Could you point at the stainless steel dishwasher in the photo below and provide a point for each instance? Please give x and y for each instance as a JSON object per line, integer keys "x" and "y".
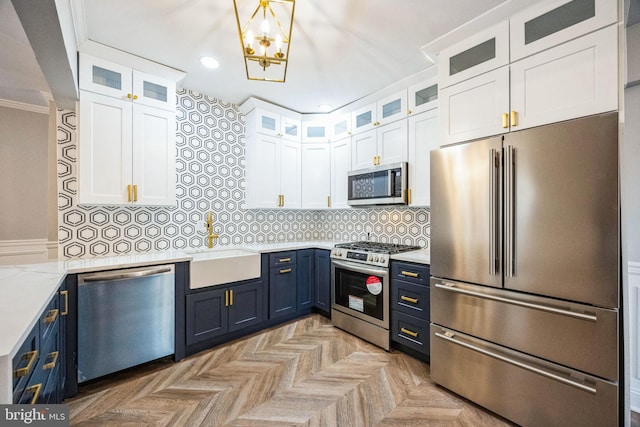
{"x": 125, "y": 318}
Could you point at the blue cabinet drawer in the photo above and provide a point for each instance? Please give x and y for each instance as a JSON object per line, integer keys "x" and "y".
{"x": 410, "y": 331}
{"x": 49, "y": 317}
{"x": 280, "y": 259}
{"x": 410, "y": 298}
{"x": 25, "y": 362}
{"x": 415, "y": 273}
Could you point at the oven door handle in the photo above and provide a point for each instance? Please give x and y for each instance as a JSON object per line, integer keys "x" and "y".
{"x": 361, "y": 269}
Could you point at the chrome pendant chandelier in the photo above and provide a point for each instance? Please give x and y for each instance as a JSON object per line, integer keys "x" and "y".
{"x": 265, "y": 37}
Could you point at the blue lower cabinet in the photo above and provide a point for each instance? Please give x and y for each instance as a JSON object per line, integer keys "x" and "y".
{"x": 224, "y": 309}
{"x": 283, "y": 283}
{"x": 306, "y": 278}
{"x": 322, "y": 291}
{"x": 410, "y": 304}
{"x": 37, "y": 365}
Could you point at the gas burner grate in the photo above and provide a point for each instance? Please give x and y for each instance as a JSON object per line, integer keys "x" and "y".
{"x": 384, "y": 248}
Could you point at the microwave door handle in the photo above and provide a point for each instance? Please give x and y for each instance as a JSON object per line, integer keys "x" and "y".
{"x": 390, "y": 183}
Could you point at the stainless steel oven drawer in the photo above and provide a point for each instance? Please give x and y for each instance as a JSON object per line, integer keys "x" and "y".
{"x": 576, "y": 335}
{"x": 524, "y": 389}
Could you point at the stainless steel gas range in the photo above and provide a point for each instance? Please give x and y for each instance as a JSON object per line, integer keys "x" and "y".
{"x": 360, "y": 288}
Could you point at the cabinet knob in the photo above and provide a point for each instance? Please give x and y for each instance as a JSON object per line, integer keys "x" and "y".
{"x": 129, "y": 95}
{"x": 409, "y": 112}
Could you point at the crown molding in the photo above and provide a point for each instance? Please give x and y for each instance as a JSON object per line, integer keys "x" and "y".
{"x": 79, "y": 21}
{"x": 40, "y": 109}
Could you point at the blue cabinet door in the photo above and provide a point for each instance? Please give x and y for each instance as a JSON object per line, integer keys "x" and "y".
{"x": 245, "y": 305}
{"x": 282, "y": 291}
{"x": 306, "y": 278}
{"x": 322, "y": 291}
{"x": 206, "y": 315}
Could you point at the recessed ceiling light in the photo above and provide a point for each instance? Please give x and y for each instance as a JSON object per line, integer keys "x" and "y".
{"x": 209, "y": 62}
{"x": 324, "y": 108}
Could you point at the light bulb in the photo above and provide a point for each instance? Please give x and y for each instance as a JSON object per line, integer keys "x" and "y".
{"x": 248, "y": 38}
{"x": 263, "y": 49}
{"x": 279, "y": 41}
{"x": 265, "y": 27}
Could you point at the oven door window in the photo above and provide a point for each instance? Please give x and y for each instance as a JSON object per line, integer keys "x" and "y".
{"x": 360, "y": 292}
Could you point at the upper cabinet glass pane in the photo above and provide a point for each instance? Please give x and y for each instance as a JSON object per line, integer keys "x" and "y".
{"x": 315, "y": 132}
{"x": 154, "y": 91}
{"x": 391, "y": 108}
{"x": 341, "y": 128}
{"x": 427, "y": 94}
{"x": 291, "y": 129}
{"x": 558, "y": 19}
{"x": 364, "y": 119}
{"x": 472, "y": 57}
{"x": 104, "y": 77}
{"x": 268, "y": 123}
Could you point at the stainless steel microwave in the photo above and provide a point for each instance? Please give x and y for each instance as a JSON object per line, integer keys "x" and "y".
{"x": 381, "y": 185}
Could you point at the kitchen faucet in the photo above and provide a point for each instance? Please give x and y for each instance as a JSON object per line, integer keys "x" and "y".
{"x": 211, "y": 236}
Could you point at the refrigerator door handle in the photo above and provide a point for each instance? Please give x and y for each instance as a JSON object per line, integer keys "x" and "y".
{"x": 452, "y": 288}
{"x": 449, "y": 336}
{"x": 493, "y": 212}
{"x": 509, "y": 214}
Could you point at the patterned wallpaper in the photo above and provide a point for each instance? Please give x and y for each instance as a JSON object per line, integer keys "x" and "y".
{"x": 210, "y": 166}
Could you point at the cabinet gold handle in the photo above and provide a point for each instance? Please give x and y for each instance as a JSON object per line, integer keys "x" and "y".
{"x": 514, "y": 118}
{"x": 231, "y": 297}
{"x": 35, "y": 389}
{"x": 505, "y": 120}
{"x": 32, "y": 356}
{"x": 286, "y": 270}
{"x": 135, "y": 193}
{"x": 226, "y": 298}
{"x": 409, "y": 274}
{"x": 51, "y": 316}
{"x": 284, "y": 260}
{"x": 135, "y": 97}
{"x": 409, "y": 196}
{"x": 129, "y": 95}
{"x": 409, "y": 112}
{"x": 409, "y": 332}
{"x": 52, "y": 364}
{"x": 409, "y": 299}
{"x": 129, "y": 192}
{"x": 283, "y": 200}
{"x": 66, "y": 302}
{"x": 328, "y": 201}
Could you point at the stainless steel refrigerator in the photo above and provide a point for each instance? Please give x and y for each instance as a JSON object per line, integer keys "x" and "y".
{"x": 525, "y": 264}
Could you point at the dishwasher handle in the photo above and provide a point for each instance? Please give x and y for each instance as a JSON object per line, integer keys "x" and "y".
{"x": 119, "y": 275}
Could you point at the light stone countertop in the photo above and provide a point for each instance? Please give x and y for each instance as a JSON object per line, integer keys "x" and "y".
{"x": 25, "y": 290}
{"x": 422, "y": 256}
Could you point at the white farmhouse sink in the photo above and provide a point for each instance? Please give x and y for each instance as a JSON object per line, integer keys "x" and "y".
{"x": 211, "y": 267}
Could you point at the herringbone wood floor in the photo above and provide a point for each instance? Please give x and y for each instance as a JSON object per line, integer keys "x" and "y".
{"x": 304, "y": 373}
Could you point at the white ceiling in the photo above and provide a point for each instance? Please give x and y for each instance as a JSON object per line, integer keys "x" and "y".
{"x": 341, "y": 50}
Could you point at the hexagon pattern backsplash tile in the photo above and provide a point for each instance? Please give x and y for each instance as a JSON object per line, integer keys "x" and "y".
{"x": 210, "y": 166}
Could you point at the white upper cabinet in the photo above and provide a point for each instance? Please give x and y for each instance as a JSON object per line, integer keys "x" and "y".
{"x": 117, "y": 81}
{"x": 549, "y": 23}
{"x": 127, "y": 131}
{"x": 422, "y": 96}
{"x": 475, "y": 108}
{"x": 290, "y": 128}
{"x": 564, "y": 65}
{"x": 475, "y": 55}
{"x": 575, "y": 79}
{"x": 272, "y": 172}
{"x": 340, "y": 126}
{"x": 391, "y": 108}
{"x": 363, "y": 119}
{"x": 271, "y": 123}
{"x": 384, "y": 145}
{"x": 316, "y": 176}
{"x": 423, "y": 137}
{"x": 315, "y": 131}
{"x": 340, "y": 167}
{"x": 383, "y": 111}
